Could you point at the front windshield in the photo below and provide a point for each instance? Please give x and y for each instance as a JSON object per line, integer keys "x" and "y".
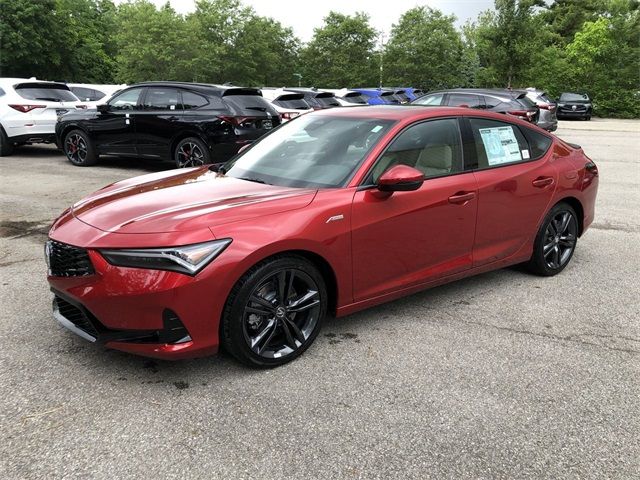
{"x": 310, "y": 152}
{"x": 574, "y": 97}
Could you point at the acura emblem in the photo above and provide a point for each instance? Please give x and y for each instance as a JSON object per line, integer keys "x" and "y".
{"x": 573, "y": 107}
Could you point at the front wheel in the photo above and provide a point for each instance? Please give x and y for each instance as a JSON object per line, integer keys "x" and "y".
{"x": 191, "y": 152}
{"x": 274, "y": 312}
{"x": 79, "y": 149}
{"x": 555, "y": 242}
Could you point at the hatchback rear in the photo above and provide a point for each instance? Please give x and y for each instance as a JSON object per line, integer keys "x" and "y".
{"x": 29, "y": 110}
{"x": 547, "y": 119}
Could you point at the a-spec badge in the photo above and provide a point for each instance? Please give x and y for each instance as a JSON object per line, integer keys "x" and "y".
{"x": 335, "y": 218}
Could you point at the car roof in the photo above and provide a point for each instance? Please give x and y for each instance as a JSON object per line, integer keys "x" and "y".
{"x": 202, "y": 87}
{"x": 7, "y": 81}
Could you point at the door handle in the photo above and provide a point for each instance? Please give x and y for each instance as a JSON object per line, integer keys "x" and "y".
{"x": 461, "y": 198}
{"x": 541, "y": 182}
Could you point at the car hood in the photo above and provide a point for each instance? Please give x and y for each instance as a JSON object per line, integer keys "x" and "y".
{"x": 184, "y": 200}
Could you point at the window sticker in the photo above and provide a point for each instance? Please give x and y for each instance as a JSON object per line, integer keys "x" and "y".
{"x": 501, "y": 145}
{"x": 376, "y": 129}
{"x": 525, "y": 154}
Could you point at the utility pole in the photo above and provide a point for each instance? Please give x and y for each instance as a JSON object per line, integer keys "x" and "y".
{"x": 381, "y": 57}
{"x": 299, "y": 76}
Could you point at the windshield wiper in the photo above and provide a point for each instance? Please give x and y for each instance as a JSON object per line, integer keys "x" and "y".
{"x": 253, "y": 179}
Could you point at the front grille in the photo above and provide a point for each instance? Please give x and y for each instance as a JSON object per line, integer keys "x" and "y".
{"x": 68, "y": 261}
{"x": 75, "y": 316}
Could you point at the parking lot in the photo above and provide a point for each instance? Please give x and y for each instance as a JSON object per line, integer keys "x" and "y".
{"x": 504, "y": 375}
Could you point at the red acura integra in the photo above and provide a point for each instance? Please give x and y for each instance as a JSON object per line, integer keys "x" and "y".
{"x": 330, "y": 213}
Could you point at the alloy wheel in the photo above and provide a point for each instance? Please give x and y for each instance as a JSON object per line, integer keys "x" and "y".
{"x": 190, "y": 155}
{"x": 560, "y": 239}
{"x": 281, "y": 313}
{"x": 75, "y": 147}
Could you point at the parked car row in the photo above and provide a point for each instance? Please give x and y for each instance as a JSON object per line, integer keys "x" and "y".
{"x": 194, "y": 124}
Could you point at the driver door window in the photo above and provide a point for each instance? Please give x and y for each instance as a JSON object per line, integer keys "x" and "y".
{"x": 433, "y": 147}
{"x": 126, "y": 101}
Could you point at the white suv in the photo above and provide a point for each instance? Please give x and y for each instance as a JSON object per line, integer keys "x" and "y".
{"x": 29, "y": 110}
{"x": 93, "y": 95}
{"x": 348, "y": 98}
{"x": 288, "y": 104}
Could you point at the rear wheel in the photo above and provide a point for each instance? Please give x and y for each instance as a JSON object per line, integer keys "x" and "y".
{"x": 79, "y": 149}
{"x": 6, "y": 147}
{"x": 274, "y": 312}
{"x": 555, "y": 242}
{"x": 191, "y": 152}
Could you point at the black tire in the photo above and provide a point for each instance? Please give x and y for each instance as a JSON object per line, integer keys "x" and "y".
{"x": 268, "y": 332}
{"x": 588, "y": 117}
{"x": 6, "y": 147}
{"x": 191, "y": 152}
{"x": 79, "y": 149}
{"x": 555, "y": 241}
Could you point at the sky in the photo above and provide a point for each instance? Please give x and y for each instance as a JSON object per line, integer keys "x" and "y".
{"x": 303, "y": 16}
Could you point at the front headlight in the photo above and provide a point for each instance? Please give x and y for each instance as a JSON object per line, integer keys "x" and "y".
{"x": 189, "y": 259}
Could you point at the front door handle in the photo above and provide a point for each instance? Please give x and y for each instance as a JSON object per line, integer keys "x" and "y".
{"x": 461, "y": 198}
{"x": 541, "y": 182}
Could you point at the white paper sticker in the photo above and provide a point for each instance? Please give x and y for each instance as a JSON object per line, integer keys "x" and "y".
{"x": 172, "y": 107}
{"x": 376, "y": 129}
{"x": 501, "y": 145}
{"x": 525, "y": 154}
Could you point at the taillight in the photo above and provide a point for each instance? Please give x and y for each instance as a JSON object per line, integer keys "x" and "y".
{"x": 238, "y": 121}
{"x": 547, "y": 106}
{"x": 288, "y": 116}
{"x": 524, "y": 114}
{"x": 26, "y": 108}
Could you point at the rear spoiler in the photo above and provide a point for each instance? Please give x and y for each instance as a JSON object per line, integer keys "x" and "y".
{"x": 241, "y": 91}
{"x": 352, "y": 94}
{"x": 57, "y": 86}
{"x": 386, "y": 94}
{"x": 324, "y": 95}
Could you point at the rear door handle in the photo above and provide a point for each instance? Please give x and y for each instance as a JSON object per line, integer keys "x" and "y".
{"x": 461, "y": 198}
{"x": 541, "y": 182}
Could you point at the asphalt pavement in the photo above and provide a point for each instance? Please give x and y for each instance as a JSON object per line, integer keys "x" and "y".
{"x": 503, "y": 375}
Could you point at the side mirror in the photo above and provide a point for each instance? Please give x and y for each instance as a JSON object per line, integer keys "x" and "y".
{"x": 104, "y": 108}
{"x": 400, "y": 178}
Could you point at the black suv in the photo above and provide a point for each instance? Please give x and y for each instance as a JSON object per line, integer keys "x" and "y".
{"x": 189, "y": 123}
{"x": 574, "y": 105}
{"x": 511, "y": 102}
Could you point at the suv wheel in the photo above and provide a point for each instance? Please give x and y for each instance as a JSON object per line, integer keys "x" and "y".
{"x": 191, "y": 152}
{"x": 79, "y": 149}
{"x": 6, "y": 147}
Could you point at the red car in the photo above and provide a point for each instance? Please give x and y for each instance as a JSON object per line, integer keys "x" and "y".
{"x": 330, "y": 213}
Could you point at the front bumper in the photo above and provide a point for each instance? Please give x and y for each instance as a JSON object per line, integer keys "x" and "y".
{"x": 153, "y": 313}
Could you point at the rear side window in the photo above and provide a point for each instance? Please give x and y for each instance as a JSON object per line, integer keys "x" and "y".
{"x": 461, "y": 99}
{"x": 431, "y": 100}
{"x": 161, "y": 98}
{"x": 192, "y": 100}
{"x": 526, "y": 102}
{"x": 127, "y": 100}
{"x": 538, "y": 143}
{"x": 497, "y": 143}
{"x": 44, "y": 92}
{"x": 1, "y": 92}
{"x": 84, "y": 94}
{"x": 328, "y": 101}
{"x": 355, "y": 98}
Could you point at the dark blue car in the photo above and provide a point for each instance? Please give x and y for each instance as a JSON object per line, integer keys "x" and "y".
{"x": 378, "y": 96}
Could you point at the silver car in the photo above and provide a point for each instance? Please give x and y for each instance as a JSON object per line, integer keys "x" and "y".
{"x": 548, "y": 109}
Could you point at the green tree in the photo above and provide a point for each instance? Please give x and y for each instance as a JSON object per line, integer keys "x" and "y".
{"x": 29, "y": 39}
{"x": 425, "y": 50}
{"x": 341, "y": 52}
{"x": 153, "y": 44}
{"x": 565, "y": 17}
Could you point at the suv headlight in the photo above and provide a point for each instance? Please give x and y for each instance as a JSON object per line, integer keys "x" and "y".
{"x": 188, "y": 259}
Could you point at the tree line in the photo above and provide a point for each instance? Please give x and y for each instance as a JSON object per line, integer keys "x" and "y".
{"x": 587, "y": 46}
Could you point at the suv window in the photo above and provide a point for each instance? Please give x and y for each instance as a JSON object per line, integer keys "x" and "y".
{"x": 463, "y": 99}
{"x": 192, "y": 100}
{"x": 84, "y": 94}
{"x": 430, "y": 100}
{"x": 294, "y": 102}
{"x": 161, "y": 98}
{"x": 45, "y": 92}
{"x": 498, "y": 143}
{"x": 127, "y": 100}
{"x": 433, "y": 147}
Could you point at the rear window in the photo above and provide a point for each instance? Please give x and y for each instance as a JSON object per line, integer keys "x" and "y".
{"x": 45, "y": 92}
{"x": 248, "y": 104}
{"x": 574, "y": 97}
{"x": 328, "y": 101}
{"x": 356, "y": 98}
{"x": 526, "y": 102}
{"x": 293, "y": 102}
